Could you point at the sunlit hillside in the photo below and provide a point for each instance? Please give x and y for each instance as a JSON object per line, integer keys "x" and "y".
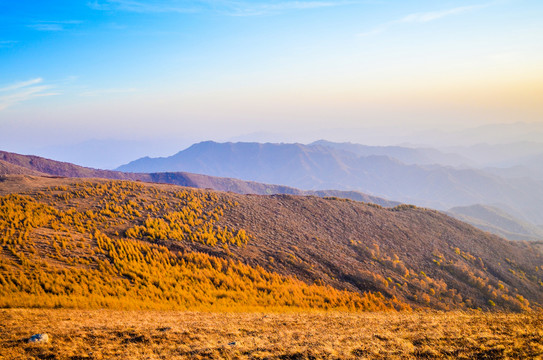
{"x": 101, "y": 244}
{"x": 130, "y": 245}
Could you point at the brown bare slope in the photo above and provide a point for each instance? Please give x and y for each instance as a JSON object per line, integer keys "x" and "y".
{"x": 58, "y": 168}
{"x": 7, "y": 168}
{"x": 403, "y": 252}
{"x": 36, "y": 165}
{"x": 420, "y": 257}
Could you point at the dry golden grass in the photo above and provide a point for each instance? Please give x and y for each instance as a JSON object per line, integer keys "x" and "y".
{"x": 111, "y": 334}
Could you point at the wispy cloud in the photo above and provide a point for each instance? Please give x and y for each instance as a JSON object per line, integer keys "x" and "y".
{"x": 23, "y": 91}
{"x": 21, "y": 84}
{"x": 53, "y": 25}
{"x": 7, "y": 43}
{"x": 252, "y": 9}
{"x": 142, "y": 6}
{"x": 47, "y": 27}
{"x": 227, "y": 7}
{"x": 108, "y": 91}
{"x": 424, "y": 17}
{"x": 435, "y": 15}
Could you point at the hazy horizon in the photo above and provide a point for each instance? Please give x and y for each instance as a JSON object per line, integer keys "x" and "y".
{"x": 110, "y": 153}
{"x": 172, "y": 73}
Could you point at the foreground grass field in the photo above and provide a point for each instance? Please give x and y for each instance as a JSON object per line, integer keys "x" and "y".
{"x": 109, "y": 334}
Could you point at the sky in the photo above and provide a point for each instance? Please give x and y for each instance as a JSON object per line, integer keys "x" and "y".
{"x": 157, "y": 75}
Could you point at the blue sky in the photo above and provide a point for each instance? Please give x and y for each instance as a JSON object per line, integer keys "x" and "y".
{"x": 73, "y": 71}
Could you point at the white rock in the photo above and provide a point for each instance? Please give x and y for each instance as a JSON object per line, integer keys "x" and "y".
{"x": 39, "y": 338}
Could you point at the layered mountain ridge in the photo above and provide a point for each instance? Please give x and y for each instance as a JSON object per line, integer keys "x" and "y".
{"x": 11, "y": 163}
{"x": 338, "y": 166}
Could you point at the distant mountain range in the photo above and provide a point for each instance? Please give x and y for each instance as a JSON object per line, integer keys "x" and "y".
{"x": 407, "y": 155}
{"x": 500, "y": 155}
{"x": 373, "y": 170}
{"x": 16, "y": 164}
{"x": 504, "y": 221}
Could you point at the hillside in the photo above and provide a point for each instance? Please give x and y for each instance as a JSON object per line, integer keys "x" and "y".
{"x": 7, "y": 168}
{"x": 57, "y": 168}
{"x": 11, "y": 163}
{"x": 314, "y": 167}
{"x": 497, "y": 221}
{"x": 99, "y": 243}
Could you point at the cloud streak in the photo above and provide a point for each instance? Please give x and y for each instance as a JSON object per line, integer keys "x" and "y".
{"x": 435, "y": 15}
{"x": 141, "y": 6}
{"x": 7, "y": 43}
{"x": 423, "y": 17}
{"x": 53, "y": 25}
{"x": 108, "y": 91}
{"x": 24, "y": 91}
{"x": 246, "y": 9}
{"x": 226, "y": 7}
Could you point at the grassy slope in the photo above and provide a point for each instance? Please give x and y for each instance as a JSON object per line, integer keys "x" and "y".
{"x": 130, "y": 241}
{"x": 103, "y": 244}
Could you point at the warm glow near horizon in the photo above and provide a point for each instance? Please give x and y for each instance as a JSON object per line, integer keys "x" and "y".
{"x": 152, "y": 69}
